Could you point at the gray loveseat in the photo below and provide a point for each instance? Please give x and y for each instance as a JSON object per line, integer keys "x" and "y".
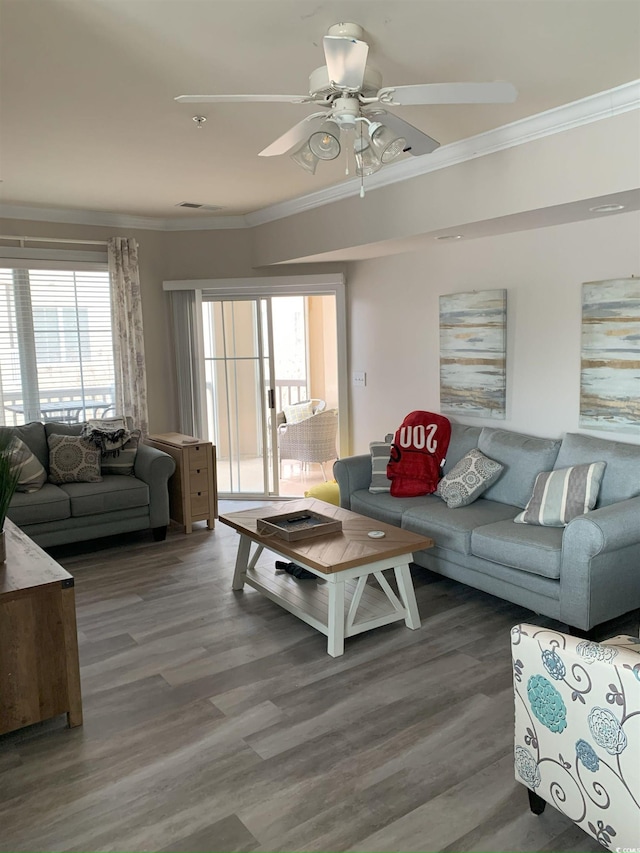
{"x": 73, "y": 512}
{"x": 581, "y": 575}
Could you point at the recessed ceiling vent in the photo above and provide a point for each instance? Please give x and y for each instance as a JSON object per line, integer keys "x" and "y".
{"x": 192, "y": 205}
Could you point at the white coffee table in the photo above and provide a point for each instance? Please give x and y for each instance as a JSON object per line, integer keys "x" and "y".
{"x": 345, "y": 604}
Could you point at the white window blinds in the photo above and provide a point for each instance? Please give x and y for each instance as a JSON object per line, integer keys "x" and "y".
{"x": 56, "y": 350}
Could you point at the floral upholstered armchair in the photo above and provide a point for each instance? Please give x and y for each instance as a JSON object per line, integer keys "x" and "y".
{"x": 577, "y": 729}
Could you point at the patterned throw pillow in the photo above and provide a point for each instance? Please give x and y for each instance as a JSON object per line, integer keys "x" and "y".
{"x": 298, "y": 412}
{"x": 73, "y": 460}
{"x": 558, "y": 496}
{"x": 380, "y": 451}
{"x": 32, "y": 475}
{"x": 125, "y": 458}
{"x": 467, "y": 480}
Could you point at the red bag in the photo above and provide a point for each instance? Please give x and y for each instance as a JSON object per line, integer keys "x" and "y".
{"x": 417, "y": 454}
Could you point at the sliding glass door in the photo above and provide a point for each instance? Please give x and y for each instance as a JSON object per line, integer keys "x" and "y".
{"x": 260, "y": 356}
{"x": 245, "y": 350}
{"x": 238, "y": 370}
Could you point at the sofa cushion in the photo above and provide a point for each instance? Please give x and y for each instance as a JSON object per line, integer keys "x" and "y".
{"x": 31, "y": 474}
{"x": 55, "y": 428}
{"x": 467, "y": 480}
{"x": 452, "y": 528}
{"x": 558, "y": 496}
{"x": 33, "y": 435}
{"x": 383, "y": 507}
{"x": 621, "y": 479}
{"x": 73, "y": 460}
{"x": 523, "y": 457}
{"x": 533, "y": 549}
{"x": 463, "y": 439}
{"x": 112, "y": 493}
{"x": 380, "y": 453}
{"x": 49, "y": 503}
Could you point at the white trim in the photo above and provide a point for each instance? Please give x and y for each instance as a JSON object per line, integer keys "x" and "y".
{"x": 52, "y": 259}
{"x": 270, "y": 285}
{"x": 593, "y": 108}
{"x": 53, "y": 255}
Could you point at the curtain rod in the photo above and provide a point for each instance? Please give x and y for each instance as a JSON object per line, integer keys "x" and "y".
{"x": 23, "y": 240}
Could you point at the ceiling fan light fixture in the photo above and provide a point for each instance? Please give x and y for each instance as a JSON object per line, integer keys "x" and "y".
{"x": 325, "y": 141}
{"x": 385, "y": 143}
{"x": 305, "y": 158}
{"x": 367, "y": 161}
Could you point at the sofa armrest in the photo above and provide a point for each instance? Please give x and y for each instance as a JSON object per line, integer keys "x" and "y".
{"x": 352, "y": 473}
{"x": 154, "y": 467}
{"x": 600, "y": 558}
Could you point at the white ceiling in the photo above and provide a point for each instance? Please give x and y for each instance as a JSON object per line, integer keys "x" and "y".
{"x": 88, "y": 121}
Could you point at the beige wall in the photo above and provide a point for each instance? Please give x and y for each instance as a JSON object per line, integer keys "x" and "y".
{"x": 323, "y": 349}
{"x": 393, "y": 325}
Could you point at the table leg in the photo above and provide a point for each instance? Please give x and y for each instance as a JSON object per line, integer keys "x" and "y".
{"x": 241, "y": 562}
{"x": 335, "y": 644}
{"x": 69, "y": 627}
{"x": 408, "y": 596}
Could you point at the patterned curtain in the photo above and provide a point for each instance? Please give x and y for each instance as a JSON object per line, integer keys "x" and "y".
{"x": 128, "y": 341}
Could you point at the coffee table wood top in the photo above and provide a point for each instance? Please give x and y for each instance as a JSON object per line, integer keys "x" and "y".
{"x": 333, "y": 552}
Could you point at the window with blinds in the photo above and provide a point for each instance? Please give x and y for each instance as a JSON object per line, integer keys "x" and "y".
{"x": 56, "y": 346}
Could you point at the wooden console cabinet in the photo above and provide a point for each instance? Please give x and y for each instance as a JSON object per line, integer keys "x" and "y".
{"x": 39, "y": 668}
{"x": 193, "y": 493}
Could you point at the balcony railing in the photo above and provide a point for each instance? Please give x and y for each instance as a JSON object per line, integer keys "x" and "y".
{"x": 65, "y": 405}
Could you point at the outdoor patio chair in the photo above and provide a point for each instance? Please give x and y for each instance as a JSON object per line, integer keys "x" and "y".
{"x": 310, "y": 440}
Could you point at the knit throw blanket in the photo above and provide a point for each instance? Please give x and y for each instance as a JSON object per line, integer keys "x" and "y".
{"x": 108, "y": 435}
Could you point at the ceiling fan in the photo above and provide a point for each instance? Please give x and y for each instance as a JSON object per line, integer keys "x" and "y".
{"x": 350, "y": 96}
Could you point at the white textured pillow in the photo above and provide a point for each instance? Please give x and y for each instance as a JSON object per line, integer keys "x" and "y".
{"x": 558, "y": 496}
{"x": 380, "y": 451}
{"x": 468, "y": 479}
{"x": 298, "y": 412}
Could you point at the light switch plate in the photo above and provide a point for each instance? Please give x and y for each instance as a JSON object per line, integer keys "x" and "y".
{"x": 359, "y": 378}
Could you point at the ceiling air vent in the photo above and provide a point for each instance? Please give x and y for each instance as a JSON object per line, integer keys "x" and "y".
{"x": 194, "y": 206}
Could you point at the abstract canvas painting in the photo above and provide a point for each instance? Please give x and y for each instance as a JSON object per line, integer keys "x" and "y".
{"x": 473, "y": 353}
{"x": 610, "y": 363}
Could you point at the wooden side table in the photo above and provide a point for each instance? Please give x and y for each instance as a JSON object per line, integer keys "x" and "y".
{"x": 39, "y": 668}
{"x": 193, "y": 492}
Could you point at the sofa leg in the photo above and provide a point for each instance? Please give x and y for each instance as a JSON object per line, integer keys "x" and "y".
{"x": 536, "y": 803}
{"x": 160, "y": 533}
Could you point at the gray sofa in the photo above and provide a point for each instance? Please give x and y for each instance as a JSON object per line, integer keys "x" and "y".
{"x": 73, "y": 512}
{"x": 581, "y": 575}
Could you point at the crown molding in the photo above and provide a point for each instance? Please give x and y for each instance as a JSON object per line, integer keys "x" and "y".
{"x": 119, "y": 220}
{"x": 557, "y": 120}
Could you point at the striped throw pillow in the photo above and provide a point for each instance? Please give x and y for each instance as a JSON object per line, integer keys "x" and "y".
{"x": 123, "y": 461}
{"x": 559, "y": 496}
{"x": 32, "y": 475}
{"x": 380, "y": 451}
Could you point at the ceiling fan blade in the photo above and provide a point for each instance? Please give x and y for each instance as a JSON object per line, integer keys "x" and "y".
{"x": 418, "y": 143}
{"x": 237, "y": 99}
{"x": 346, "y": 59}
{"x": 294, "y": 136}
{"x": 448, "y": 93}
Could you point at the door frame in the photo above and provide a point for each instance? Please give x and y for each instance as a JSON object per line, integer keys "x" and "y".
{"x": 255, "y": 287}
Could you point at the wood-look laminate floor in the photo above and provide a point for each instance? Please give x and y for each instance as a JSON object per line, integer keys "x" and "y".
{"x": 216, "y": 721}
